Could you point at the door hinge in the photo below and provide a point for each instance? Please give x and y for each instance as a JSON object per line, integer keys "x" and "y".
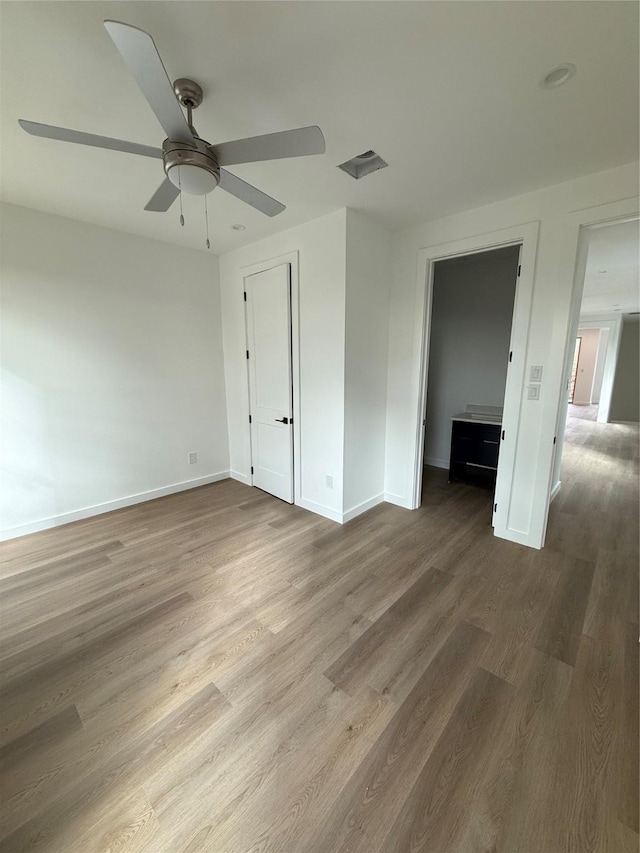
{"x": 503, "y": 435}
{"x": 249, "y": 418}
{"x": 495, "y": 507}
{"x": 519, "y": 268}
{"x": 252, "y": 469}
{"x": 245, "y": 295}
{"x": 510, "y": 356}
{"x": 247, "y": 353}
{"x": 554, "y": 439}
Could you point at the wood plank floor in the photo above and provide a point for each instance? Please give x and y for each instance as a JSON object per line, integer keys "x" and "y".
{"x": 218, "y": 671}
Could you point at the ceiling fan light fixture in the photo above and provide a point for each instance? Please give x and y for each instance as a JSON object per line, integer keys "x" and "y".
{"x": 190, "y": 167}
{"x": 191, "y": 179}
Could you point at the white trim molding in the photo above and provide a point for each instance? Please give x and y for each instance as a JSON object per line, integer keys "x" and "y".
{"x": 398, "y": 500}
{"x": 612, "y": 322}
{"x": 573, "y": 237}
{"x": 293, "y": 259}
{"x": 526, "y": 236}
{"x": 436, "y": 463}
{"x": 340, "y": 517}
{"x": 362, "y": 507}
{"x": 320, "y": 509}
{"x": 109, "y": 506}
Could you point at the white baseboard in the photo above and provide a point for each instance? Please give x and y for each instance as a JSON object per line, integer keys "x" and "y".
{"x": 555, "y": 491}
{"x": 358, "y": 509}
{"x": 109, "y": 506}
{"x": 398, "y": 500}
{"x": 437, "y": 463}
{"x": 320, "y": 509}
{"x": 241, "y": 478}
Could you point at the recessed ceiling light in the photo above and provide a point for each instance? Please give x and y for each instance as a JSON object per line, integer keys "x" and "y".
{"x": 558, "y": 75}
{"x": 239, "y": 227}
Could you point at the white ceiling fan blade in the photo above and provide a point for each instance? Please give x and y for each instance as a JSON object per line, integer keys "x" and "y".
{"x": 272, "y": 146}
{"x": 64, "y": 134}
{"x": 250, "y": 194}
{"x": 141, "y": 56}
{"x": 163, "y": 197}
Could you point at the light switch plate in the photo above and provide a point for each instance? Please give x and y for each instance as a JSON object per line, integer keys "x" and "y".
{"x": 533, "y": 392}
{"x": 536, "y": 373}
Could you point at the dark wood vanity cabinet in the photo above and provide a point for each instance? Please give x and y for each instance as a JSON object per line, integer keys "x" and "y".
{"x": 474, "y": 451}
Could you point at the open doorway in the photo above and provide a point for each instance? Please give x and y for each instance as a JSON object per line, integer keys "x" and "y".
{"x": 471, "y": 319}
{"x": 610, "y": 302}
{"x": 585, "y": 383}
{"x": 574, "y": 368}
{"x": 600, "y": 432}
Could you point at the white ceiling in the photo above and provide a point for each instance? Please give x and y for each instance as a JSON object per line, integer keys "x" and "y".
{"x": 446, "y": 92}
{"x": 612, "y": 277}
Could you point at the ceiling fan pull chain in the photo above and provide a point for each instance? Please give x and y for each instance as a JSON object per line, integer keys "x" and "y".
{"x": 206, "y": 219}
{"x": 180, "y": 196}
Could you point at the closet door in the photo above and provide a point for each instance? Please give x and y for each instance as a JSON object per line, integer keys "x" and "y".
{"x": 268, "y": 311}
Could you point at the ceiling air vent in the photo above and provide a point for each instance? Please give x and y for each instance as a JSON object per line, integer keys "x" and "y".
{"x": 363, "y": 164}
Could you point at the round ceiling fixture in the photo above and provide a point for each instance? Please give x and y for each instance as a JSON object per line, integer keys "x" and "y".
{"x": 239, "y": 227}
{"x": 558, "y": 75}
{"x": 190, "y": 166}
{"x": 192, "y": 179}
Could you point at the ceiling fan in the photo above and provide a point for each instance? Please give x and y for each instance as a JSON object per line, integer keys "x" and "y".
{"x": 191, "y": 164}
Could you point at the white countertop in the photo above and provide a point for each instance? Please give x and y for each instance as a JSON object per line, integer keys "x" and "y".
{"x": 476, "y": 414}
{"x": 478, "y": 419}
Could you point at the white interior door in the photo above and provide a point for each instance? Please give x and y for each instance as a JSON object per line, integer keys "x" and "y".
{"x": 506, "y": 460}
{"x": 268, "y": 307}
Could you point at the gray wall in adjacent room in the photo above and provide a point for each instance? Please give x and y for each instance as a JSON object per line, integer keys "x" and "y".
{"x": 469, "y": 348}
{"x": 625, "y": 400}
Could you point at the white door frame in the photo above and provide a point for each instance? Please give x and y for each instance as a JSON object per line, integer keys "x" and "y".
{"x": 574, "y": 235}
{"x": 525, "y": 235}
{"x": 614, "y": 325}
{"x": 292, "y": 259}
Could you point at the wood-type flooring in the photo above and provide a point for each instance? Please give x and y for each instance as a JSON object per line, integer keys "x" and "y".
{"x": 219, "y": 672}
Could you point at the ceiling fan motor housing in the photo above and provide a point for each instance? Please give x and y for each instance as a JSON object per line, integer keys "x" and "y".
{"x": 190, "y": 166}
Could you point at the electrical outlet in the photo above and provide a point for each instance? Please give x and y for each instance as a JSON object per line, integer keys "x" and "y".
{"x": 533, "y": 392}
{"x": 329, "y": 479}
{"x": 193, "y": 457}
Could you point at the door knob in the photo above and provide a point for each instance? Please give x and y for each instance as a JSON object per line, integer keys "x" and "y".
{"x": 282, "y": 420}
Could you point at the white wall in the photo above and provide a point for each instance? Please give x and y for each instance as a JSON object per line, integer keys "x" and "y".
{"x": 625, "y": 402}
{"x": 367, "y": 324}
{"x": 598, "y": 373}
{"x": 586, "y": 366}
{"x": 545, "y": 344}
{"x": 111, "y": 369}
{"x": 321, "y": 250}
{"x": 471, "y": 318}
